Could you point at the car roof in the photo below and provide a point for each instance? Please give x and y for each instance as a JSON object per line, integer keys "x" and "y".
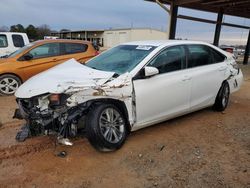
{"x": 61, "y": 40}
{"x": 11, "y": 33}
{"x": 164, "y": 42}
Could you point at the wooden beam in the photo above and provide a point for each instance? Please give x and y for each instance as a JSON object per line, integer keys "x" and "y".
{"x": 162, "y": 1}
{"x": 236, "y": 25}
{"x": 230, "y": 3}
{"x": 163, "y": 6}
{"x": 182, "y": 2}
{"x": 211, "y": 21}
{"x": 208, "y": 2}
{"x": 207, "y": 5}
{"x": 196, "y": 19}
{"x": 237, "y": 10}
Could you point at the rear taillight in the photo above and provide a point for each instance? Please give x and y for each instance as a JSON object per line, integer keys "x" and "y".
{"x": 229, "y": 50}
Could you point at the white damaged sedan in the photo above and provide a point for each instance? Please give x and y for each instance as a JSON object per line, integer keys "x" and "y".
{"x": 126, "y": 88}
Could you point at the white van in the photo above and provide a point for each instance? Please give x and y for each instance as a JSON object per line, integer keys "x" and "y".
{"x": 12, "y": 41}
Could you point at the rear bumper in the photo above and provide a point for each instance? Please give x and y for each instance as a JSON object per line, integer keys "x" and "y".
{"x": 235, "y": 82}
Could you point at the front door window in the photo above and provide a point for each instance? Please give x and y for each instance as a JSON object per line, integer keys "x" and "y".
{"x": 46, "y": 50}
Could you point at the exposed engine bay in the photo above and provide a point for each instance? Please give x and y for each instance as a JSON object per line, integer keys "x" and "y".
{"x": 49, "y": 114}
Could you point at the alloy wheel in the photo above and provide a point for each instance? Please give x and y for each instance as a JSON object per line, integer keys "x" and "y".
{"x": 225, "y": 96}
{"x": 112, "y": 125}
{"x": 8, "y": 86}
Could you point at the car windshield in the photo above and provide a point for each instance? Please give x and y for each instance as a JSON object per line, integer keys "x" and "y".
{"x": 120, "y": 59}
{"x": 21, "y": 50}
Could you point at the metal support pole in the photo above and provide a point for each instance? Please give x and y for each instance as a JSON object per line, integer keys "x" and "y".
{"x": 168, "y": 11}
{"x": 218, "y": 28}
{"x": 173, "y": 21}
{"x": 247, "y": 51}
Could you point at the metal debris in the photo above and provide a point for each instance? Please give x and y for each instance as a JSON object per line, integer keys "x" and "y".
{"x": 23, "y": 134}
{"x": 64, "y": 141}
{"x": 162, "y": 147}
{"x": 62, "y": 154}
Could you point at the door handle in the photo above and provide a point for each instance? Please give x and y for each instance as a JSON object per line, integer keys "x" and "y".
{"x": 54, "y": 59}
{"x": 186, "y": 78}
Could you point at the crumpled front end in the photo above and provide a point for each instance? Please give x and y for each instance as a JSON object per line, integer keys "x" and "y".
{"x": 48, "y": 114}
{"x": 63, "y": 113}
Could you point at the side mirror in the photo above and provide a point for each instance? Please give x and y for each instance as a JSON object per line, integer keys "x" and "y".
{"x": 28, "y": 57}
{"x": 150, "y": 71}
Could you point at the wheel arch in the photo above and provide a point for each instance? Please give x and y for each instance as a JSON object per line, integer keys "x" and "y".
{"x": 226, "y": 81}
{"x": 218, "y": 106}
{"x": 13, "y": 74}
{"x": 118, "y": 103}
{"x": 223, "y": 82}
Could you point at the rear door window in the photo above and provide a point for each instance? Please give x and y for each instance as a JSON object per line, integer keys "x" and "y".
{"x": 3, "y": 41}
{"x": 18, "y": 41}
{"x": 72, "y": 48}
{"x": 199, "y": 55}
{"x": 46, "y": 50}
{"x": 217, "y": 56}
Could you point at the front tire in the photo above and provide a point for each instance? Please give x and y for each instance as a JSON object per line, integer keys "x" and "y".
{"x": 222, "y": 98}
{"x": 9, "y": 84}
{"x": 106, "y": 127}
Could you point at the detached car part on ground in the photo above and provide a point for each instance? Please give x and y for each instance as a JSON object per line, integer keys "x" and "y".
{"x": 126, "y": 88}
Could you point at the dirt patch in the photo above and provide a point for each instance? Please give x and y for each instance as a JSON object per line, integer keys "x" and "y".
{"x": 7, "y": 105}
{"x": 202, "y": 149}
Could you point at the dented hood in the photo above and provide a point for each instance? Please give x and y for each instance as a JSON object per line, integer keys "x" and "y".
{"x": 69, "y": 75}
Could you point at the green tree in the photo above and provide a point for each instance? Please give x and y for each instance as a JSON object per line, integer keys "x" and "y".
{"x": 17, "y": 28}
{"x": 43, "y": 30}
{"x": 32, "y": 32}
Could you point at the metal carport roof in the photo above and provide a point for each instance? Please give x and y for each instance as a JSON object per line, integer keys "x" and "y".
{"x": 239, "y": 8}
{"x": 230, "y": 7}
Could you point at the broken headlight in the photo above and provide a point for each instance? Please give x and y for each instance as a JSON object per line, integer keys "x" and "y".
{"x": 57, "y": 100}
{"x": 54, "y": 99}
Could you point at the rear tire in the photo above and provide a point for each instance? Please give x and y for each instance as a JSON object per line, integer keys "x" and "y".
{"x": 222, "y": 98}
{"x": 9, "y": 84}
{"x": 106, "y": 127}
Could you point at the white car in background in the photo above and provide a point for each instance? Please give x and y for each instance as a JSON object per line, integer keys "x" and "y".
{"x": 126, "y": 88}
{"x": 12, "y": 41}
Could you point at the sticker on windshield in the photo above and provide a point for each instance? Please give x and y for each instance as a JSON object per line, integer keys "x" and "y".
{"x": 143, "y": 47}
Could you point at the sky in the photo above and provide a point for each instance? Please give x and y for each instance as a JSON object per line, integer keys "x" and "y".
{"x": 105, "y": 14}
